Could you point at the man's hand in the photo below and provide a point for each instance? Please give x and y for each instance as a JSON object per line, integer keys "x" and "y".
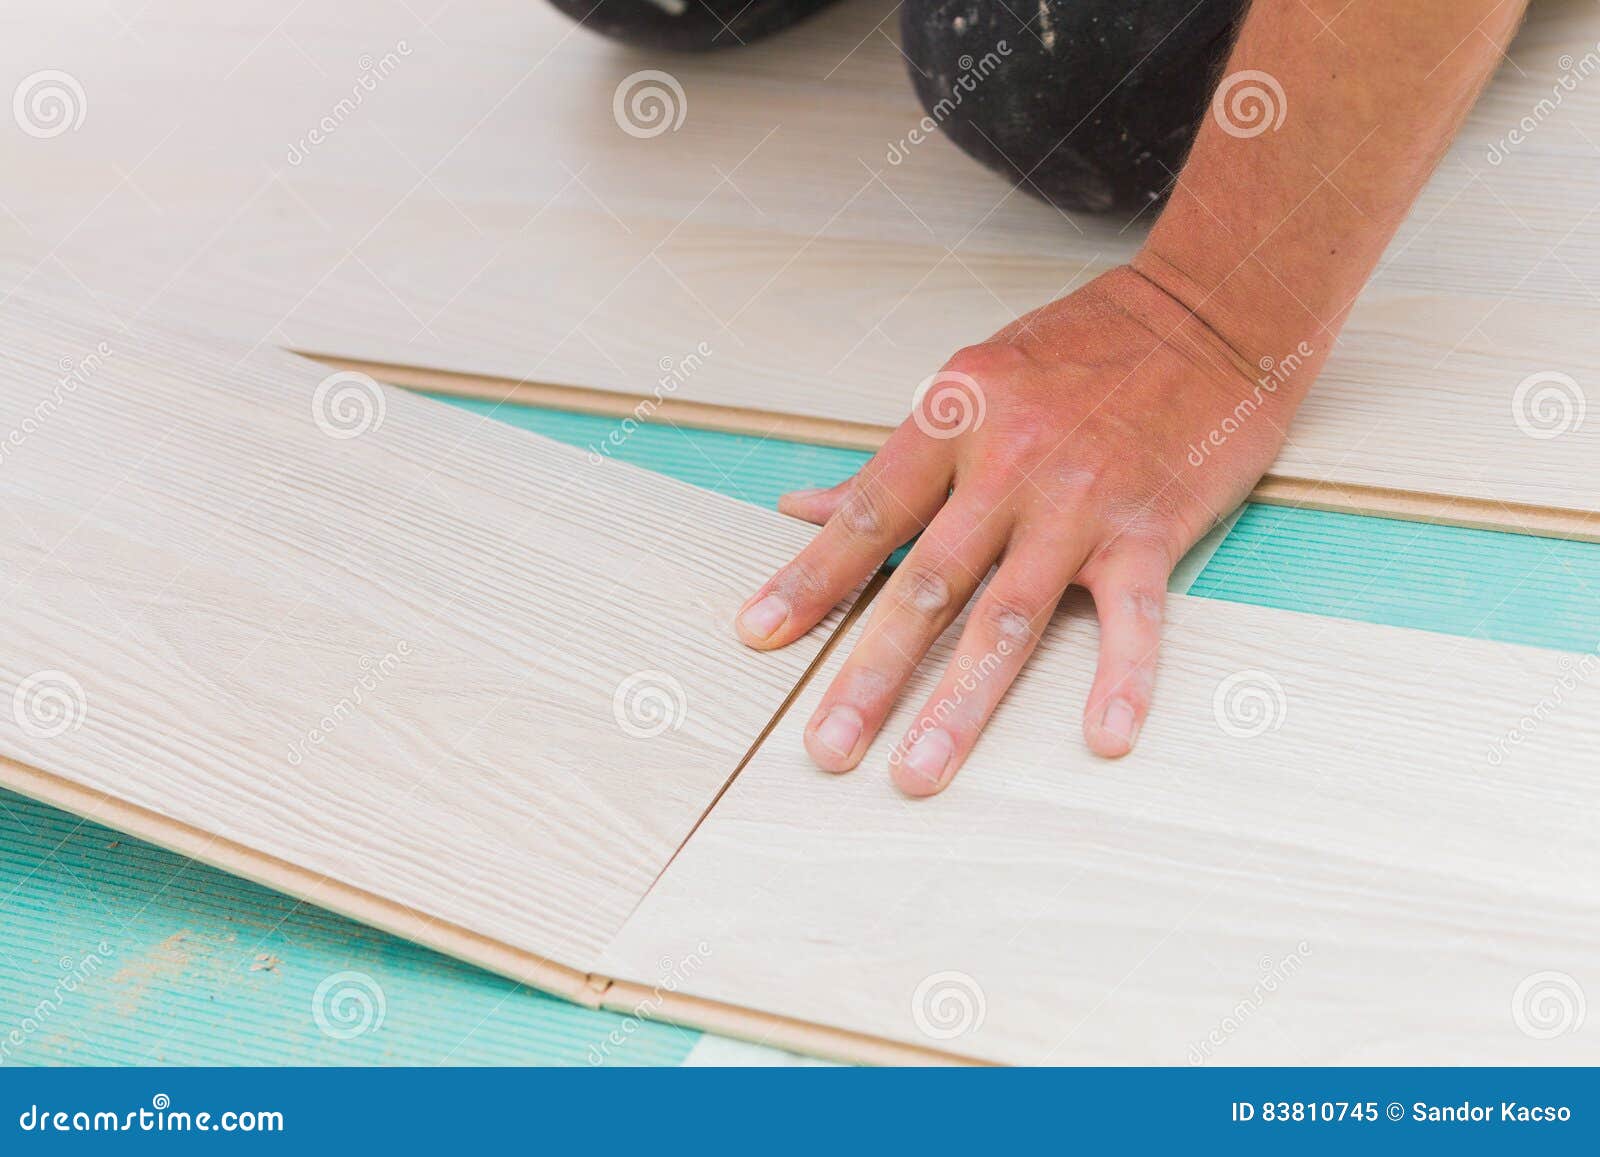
{"x": 1092, "y": 442}
{"x": 1120, "y": 422}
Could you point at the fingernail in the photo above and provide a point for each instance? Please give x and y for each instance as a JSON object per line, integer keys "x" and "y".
{"x": 1120, "y": 721}
{"x": 840, "y": 729}
{"x": 930, "y": 755}
{"x": 802, "y": 495}
{"x": 765, "y": 617}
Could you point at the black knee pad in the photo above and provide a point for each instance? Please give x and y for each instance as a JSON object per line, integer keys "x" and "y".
{"x": 688, "y": 25}
{"x": 1089, "y": 104}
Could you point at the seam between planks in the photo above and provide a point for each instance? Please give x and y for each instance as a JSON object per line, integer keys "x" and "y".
{"x": 1273, "y": 489}
{"x": 770, "y": 1029}
{"x": 846, "y": 621}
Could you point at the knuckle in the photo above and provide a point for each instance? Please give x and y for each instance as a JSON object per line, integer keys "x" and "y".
{"x": 862, "y": 685}
{"x": 863, "y": 513}
{"x": 1138, "y": 555}
{"x": 1143, "y": 604}
{"x": 1075, "y": 484}
{"x": 925, "y": 592}
{"x": 985, "y": 360}
{"x": 1008, "y": 617}
{"x": 800, "y": 581}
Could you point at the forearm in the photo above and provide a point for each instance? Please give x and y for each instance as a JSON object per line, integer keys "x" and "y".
{"x": 1275, "y": 224}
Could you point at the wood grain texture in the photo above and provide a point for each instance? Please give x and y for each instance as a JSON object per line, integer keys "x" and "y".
{"x": 485, "y": 678}
{"x": 479, "y": 209}
{"x": 1328, "y": 848}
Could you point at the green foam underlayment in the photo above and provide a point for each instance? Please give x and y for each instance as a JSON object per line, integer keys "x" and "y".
{"x": 116, "y": 952}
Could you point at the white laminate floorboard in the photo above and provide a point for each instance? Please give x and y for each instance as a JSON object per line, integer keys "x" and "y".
{"x": 473, "y": 203}
{"x": 456, "y": 666}
{"x": 1336, "y": 843}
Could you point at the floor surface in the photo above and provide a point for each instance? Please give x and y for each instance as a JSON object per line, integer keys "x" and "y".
{"x": 116, "y": 952}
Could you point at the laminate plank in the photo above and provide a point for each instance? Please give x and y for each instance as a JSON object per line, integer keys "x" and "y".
{"x": 1337, "y": 843}
{"x": 321, "y": 627}
{"x": 480, "y": 209}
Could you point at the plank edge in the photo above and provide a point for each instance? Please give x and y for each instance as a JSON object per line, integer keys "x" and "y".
{"x": 617, "y": 404}
{"x": 347, "y": 900}
{"x": 770, "y": 1029}
{"x": 1273, "y": 489}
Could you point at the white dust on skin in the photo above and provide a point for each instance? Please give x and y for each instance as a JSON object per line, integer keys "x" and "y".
{"x": 1141, "y": 604}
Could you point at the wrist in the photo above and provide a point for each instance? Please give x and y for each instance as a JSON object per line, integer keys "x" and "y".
{"x": 1262, "y": 363}
{"x": 1261, "y": 328}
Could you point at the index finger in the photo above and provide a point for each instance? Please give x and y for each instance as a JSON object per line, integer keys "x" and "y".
{"x": 893, "y": 497}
